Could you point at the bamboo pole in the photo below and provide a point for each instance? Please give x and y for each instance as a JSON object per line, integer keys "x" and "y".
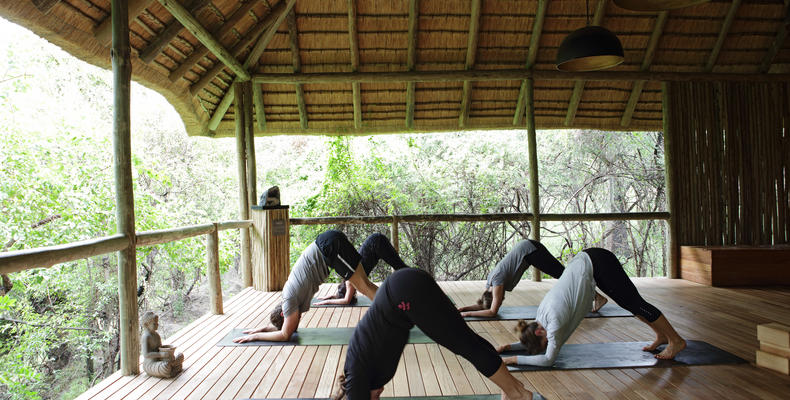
{"x": 163, "y": 39}
{"x": 411, "y": 58}
{"x": 534, "y": 196}
{"x": 394, "y": 233}
{"x": 152, "y": 238}
{"x": 244, "y": 209}
{"x": 674, "y": 265}
{"x": 249, "y": 136}
{"x": 43, "y": 257}
{"x": 124, "y": 192}
{"x": 497, "y": 217}
{"x": 103, "y": 31}
{"x": 532, "y": 55}
{"x": 221, "y": 226}
{"x": 212, "y": 271}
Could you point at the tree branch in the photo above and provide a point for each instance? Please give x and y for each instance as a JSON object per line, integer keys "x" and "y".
{"x": 16, "y": 321}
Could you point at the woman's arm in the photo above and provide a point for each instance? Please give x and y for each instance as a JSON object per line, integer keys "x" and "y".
{"x": 359, "y": 280}
{"x": 473, "y": 307}
{"x": 350, "y": 292}
{"x": 541, "y": 360}
{"x": 498, "y": 296}
{"x": 289, "y": 327}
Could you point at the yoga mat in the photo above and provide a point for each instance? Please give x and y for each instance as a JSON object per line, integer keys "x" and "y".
{"x": 362, "y": 301}
{"x": 529, "y": 312}
{"x": 535, "y": 396}
{"x": 629, "y": 355}
{"x": 315, "y": 337}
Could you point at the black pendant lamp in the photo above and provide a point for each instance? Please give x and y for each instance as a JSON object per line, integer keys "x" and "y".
{"x": 591, "y": 48}
{"x": 656, "y": 5}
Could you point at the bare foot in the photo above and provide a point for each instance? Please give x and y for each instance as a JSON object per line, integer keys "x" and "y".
{"x": 658, "y": 342}
{"x": 672, "y": 349}
{"x": 598, "y": 302}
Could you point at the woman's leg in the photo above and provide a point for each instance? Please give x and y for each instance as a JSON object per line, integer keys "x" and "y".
{"x": 377, "y": 247}
{"x": 544, "y": 261}
{"x": 611, "y": 279}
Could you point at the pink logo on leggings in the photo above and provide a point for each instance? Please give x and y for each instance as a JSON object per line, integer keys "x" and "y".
{"x": 404, "y": 306}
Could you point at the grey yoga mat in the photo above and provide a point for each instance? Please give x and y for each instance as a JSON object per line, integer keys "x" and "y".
{"x": 315, "y": 337}
{"x": 629, "y": 355}
{"x": 536, "y": 396}
{"x": 362, "y": 301}
{"x": 529, "y": 312}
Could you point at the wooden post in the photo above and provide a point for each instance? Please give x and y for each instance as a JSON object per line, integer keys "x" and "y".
{"x": 124, "y": 193}
{"x": 271, "y": 242}
{"x": 212, "y": 271}
{"x": 534, "y": 199}
{"x": 674, "y": 266}
{"x": 249, "y": 136}
{"x": 394, "y": 233}
{"x": 244, "y": 209}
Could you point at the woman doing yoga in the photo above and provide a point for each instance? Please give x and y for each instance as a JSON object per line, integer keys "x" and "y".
{"x": 407, "y": 298}
{"x": 376, "y": 247}
{"x": 331, "y": 249}
{"x": 566, "y": 304}
{"x": 508, "y": 273}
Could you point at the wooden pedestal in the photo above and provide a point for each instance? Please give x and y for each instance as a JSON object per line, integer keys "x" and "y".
{"x": 271, "y": 241}
{"x": 735, "y": 265}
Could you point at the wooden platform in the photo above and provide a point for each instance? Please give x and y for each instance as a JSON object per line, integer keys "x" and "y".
{"x": 736, "y": 265}
{"x": 723, "y": 317}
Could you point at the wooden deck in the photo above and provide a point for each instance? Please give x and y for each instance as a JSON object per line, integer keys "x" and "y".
{"x": 723, "y": 317}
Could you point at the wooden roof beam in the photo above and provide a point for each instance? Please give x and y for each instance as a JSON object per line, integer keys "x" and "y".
{"x": 293, "y": 39}
{"x": 205, "y": 37}
{"x": 202, "y": 51}
{"x": 636, "y": 91}
{"x": 103, "y": 31}
{"x": 534, "y": 42}
{"x": 471, "y": 51}
{"x": 45, "y": 6}
{"x": 411, "y": 60}
{"x": 353, "y": 43}
{"x": 778, "y": 42}
{"x": 514, "y": 74}
{"x": 725, "y": 30}
{"x": 252, "y": 60}
{"x": 578, "y": 86}
{"x": 170, "y": 32}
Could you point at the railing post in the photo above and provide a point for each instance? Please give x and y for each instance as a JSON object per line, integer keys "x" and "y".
{"x": 394, "y": 233}
{"x": 129, "y": 329}
{"x": 534, "y": 199}
{"x": 212, "y": 271}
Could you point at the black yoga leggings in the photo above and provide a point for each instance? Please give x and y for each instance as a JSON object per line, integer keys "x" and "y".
{"x": 377, "y": 247}
{"x": 544, "y": 261}
{"x": 611, "y": 278}
{"x": 408, "y": 297}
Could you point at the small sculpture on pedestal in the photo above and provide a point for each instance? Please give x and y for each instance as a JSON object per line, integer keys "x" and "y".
{"x": 158, "y": 360}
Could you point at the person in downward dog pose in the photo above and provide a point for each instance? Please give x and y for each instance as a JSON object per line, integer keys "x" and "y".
{"x": 376, "y": 247}
{"x": 508, "y": 273}
{"x": 407, "y": 298}
{"x": 567, "y": 302}
{"x": 331, "y": 249}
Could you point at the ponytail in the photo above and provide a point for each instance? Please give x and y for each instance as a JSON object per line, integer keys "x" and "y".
{"x": 341, "y": 388}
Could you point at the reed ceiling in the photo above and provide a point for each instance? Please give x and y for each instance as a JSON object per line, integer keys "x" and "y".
{"x": 445, "y": 37}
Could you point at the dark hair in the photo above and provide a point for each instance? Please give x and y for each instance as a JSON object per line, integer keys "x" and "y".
{"x": 341, "y": 388}
{"x": 341, "y": 292}
{"x": 486, "y": 299}
{"x": 527, "y": 337}
{"x": 276, "y": 316}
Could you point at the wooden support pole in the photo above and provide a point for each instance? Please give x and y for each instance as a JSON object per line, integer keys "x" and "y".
{"x": 103, "y": 31}
{"x": 578, "y": 86}
{"x": 252, "y": 59}
{"x": 244, "y": 208}
{"x": 249, "y": 136}
{"x": 394, "y": 233}
{"x": 257, "y": 98}
{"x": 45, "y": 6}
{"x": 296, "y": 61}
{"x": 212, "y": 272}
{"x": 205, "y": 37}
{"x": 124, "y": 192}
{"x": 169, "y": 33}
{"x": 471, "y": 51}
{"x": 674, "y": 246}
{"x": 356, "y": 89}
{"x": 534, "y": 43}
{"x": 411, "y": 59}
{"x": 532, "y": 143}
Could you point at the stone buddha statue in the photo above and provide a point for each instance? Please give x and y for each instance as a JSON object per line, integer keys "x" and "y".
{"x": 158, "y": 360}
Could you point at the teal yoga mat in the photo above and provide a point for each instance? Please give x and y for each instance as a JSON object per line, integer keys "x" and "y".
{"x": 629, "y": 355}
{"x": 315, "y": 337}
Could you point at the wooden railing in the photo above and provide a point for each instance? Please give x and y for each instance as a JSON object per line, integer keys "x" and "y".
{"x": 44, "y": 257}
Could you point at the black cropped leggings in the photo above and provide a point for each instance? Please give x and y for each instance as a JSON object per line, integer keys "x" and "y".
{"x": 377, "y": 247}
{"x": 611, "y": 278}
{"x": 544, "y": 261}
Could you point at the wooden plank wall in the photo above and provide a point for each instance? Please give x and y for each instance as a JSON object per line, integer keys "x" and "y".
{"x": 731, "y": 144}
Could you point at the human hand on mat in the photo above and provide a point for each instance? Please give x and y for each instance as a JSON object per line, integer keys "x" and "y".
{"x": 248, "y": 338}
{"x": 510, "y": 360}
{"x": 503, "y": 348}
{"x": 256, "y": 330}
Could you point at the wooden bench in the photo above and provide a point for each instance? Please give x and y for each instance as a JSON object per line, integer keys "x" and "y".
{"x": 735, "y": 265}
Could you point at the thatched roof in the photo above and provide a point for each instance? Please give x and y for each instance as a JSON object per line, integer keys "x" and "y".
{"x": 398, "y": 36}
